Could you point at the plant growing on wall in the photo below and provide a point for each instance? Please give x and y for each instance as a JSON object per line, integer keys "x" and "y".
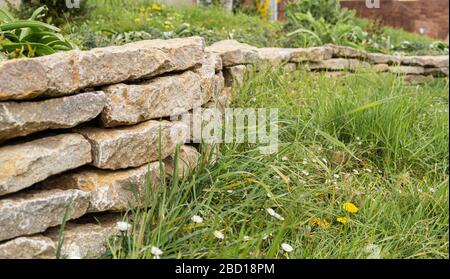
{"x": 30, "y": 37}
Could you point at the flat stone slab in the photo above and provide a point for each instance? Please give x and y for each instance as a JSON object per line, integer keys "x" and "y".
{"x": 276, "y": 56}
{"x": 441, "y": 61}
{"x": 338, "y": 64}
{"x": 67, "y": 72}
{"x": 187, "y": 160}
{"x": 347, "y": 52}
{"x": 312, "y": 54}
{"x": 25, "y": 164}
{"x": 24, "y": 118}
{"x": 234, "y": 53}
{"x": 407, "y": 70}
{"x": 133, "y": 146}
{"x": 82, "y": 240}
{"x": 36, "y": 211}
{"x": 379, "y": 58}
{"x": 111, "y": 190}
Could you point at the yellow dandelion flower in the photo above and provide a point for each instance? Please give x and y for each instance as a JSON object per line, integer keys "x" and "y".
{"x": 137, "y": 20}
{"x": 322, "y": 223}
{"x": 342, "y": 220}
{"x": 156, "y": 7}
{"x": 350, "y": 207}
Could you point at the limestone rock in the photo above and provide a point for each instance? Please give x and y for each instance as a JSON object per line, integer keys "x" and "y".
{"x": 407, "y": 70}
{"x": 338, "y": 64}
{"x": 35, "y": 211}
{"x": 437, "y": 72}
{"x": 24, "y": 118}
{"x": 234, "y": 53}
{"x": 441, "y": 61}
{"x": 22, "y": 78}
{"x": 417, "y": 79}
{"x": 87, "y": 239}
{"x": 275, "y": 56}
{"x": 347, "y": 52}
{"x": 216, "y": 60}
{"x": 23, "y": 165}
{"x": 311, "y": 54}
{"x": 133, "y": 146}
{"x": 379, "y": 58}
{"x": 66, "y": 72}
{"x": 28, "y": 247}
{"x": 110, "y": 190}
{"x": 236, "y": 75}
{"x": 187, "y": 160}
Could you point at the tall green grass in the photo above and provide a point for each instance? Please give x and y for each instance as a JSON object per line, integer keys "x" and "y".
{"x": 367, "y": 139}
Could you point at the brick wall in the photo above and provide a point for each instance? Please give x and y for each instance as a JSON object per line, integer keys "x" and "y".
{"x": 429, "y": 15}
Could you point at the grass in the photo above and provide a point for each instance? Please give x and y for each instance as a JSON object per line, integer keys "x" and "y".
{"x": 367, "y": 139}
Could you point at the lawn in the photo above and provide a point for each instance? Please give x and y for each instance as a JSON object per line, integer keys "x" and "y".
{"x": 367, "y": 140}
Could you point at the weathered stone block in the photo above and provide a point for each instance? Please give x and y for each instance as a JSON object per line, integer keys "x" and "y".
{"x": 111, "y": 190}
{"x": 441, "y": 61}
{"x": 311, "y": 54}
{"x": 66, "y": 72}
{"x": 347, "y": 52}
{"x": 133, "y": 146}
{"x": 234, "y": 53}
{"x": 338, "y": 64}
{"x": 28, "y": 247}
{"x": 407, "y": 70}
{"x": 24, "y": 118}
{"x": 35, "y": 211}
{"x": 187, "y": 160}
{"x": 23, "y": 165}
{"x": 379, "y": 58}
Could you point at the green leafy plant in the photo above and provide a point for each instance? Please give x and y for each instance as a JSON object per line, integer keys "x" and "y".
{"x": 30, "y": 37}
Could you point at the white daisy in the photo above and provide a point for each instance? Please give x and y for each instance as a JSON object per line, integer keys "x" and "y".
{"x": 123, "y": 226}
{"x": 219, "y": 235}
{"x": 156, "y": 252}
{"x": 287, "y": 248}
{"x": 274, "y": 214}
{"x": 197, "y": 219}
{"x": 246, "y": 238}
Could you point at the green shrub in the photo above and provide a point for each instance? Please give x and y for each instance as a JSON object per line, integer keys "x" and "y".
{"x": 30, "y": 37}
{"x": 57, "y": 13}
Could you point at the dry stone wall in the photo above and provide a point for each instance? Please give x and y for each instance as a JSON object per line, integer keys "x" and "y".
{"x": 83, "y": 134}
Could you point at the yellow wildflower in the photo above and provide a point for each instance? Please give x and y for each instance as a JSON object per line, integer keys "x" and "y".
{"x": 342, "y": 220}
{"x": 156, "y": 7}
{"x": 350, "y": 207}
{"x": 137, "y": 20}
{"x": 322, "y": 223}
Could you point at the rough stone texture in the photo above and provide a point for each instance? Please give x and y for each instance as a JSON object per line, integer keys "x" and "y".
{"x": 407, "y": 70}
{"x": 66, "y": 72}
{"x": 110, "y": 190}
{"x": 88, "y": 239}
{"x": 347, "y": 52}
{"x": 236, "y": 75}
{"x": 35, "y": 211}
{"x": 133, "y": 146}
{"x": 380, "y": 68}
{"x": 234, "y": 53}
{"x": 275, "y": 56}
{"x": 23, "y": 165}
{"x": 24, "y": 118}
{"x": 28, "y": 247}
{"x": 188, "y": 159}
{"x": 379, "y": 58}
{"x": 417, "y": 79}
{"x": 22, "y": 78}
{"x": 311, "y": 54}
{"x": 426, "y": 61}
{"x": 290, "y": 67}
{"x": 437, "y": 72}
{"x": 159, "y": 97}
{"x": 338, "y": 64}
{"x": 217, "y": 60}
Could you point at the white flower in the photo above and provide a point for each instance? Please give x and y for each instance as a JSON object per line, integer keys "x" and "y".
{"x": 156, "y": 252}
{"x": 123, "y": 226}
{"x": 219, "y": 235}
{"x": 324, "y": 160}
{"x": 336, "y": 176}
{"x": 197, "y": 219}
{"x": 285, "y": 158}
{"x": 287, "y": 248}
{"x": 246, "y": 238}
{"x": 355, "y": 171}
{"x": 368, "y": 170}
{"x": 305, "y": 172}
{"x": 432, "y": 190}
{"x": 274, "y": 214}
{"x": 230, "y": 191}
